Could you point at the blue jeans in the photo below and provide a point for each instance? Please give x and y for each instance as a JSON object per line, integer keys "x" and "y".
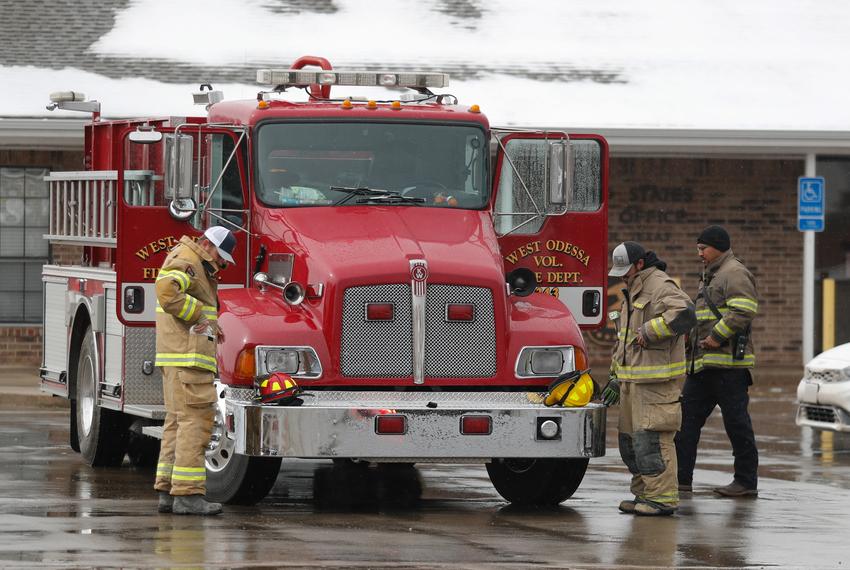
{"x": 703, "y": 391}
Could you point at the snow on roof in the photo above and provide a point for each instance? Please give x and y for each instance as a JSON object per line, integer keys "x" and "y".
{"x": 690, "y": 64}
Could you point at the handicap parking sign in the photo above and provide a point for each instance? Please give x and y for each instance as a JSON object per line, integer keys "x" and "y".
{"x": 810, "y": 203}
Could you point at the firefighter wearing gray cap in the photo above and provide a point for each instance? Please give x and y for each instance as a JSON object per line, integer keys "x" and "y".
{"x": 647, "y": 371}
{"x": 186, "y": 335}
{"x": 721, "y": 357}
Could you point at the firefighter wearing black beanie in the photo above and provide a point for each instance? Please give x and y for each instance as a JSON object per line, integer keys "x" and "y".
{"x": 721, "y": 356}
{"x": 716, "y": 237}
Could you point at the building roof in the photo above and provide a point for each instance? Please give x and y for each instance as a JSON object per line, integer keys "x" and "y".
{"x": 692, "y": 72}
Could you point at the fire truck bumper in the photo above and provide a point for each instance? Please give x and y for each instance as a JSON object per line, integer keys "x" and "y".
{"x": 436, "y": 426}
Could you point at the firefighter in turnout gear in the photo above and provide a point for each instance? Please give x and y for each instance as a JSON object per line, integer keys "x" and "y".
{"x": 647, "y": 369}
{"x": 721, "y": 357}
{"x": 186, "y": 336}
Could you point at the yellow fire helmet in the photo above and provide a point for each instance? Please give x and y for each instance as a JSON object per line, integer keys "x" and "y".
{"x": 572, "y": 389}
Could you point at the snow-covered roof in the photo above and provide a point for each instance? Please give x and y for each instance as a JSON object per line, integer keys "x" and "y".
{"x": 655, "y": 66}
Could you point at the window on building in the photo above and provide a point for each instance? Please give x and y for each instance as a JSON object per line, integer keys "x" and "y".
{"x": 23, "y": 250}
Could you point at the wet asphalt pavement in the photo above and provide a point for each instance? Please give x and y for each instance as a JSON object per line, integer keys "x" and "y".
{"x": 55, "y": 511}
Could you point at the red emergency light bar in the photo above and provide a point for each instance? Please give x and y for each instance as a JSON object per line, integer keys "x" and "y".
{"x": 380, "y": 311}
{"x": 460, "y": 312}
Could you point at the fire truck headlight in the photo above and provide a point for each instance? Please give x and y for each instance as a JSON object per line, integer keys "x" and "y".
{"x": 282, "y": 361}
{"x": 536, "y": 361}
{"x": 298, "y": 361}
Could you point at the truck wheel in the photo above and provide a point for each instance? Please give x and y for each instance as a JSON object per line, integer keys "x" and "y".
{"x": 241, "y": 480}
{"x": 73, "y": 437}
{"x": 233, "y": 478}
{"x": 537, "y": 482}
{"x": 102, "y": 433}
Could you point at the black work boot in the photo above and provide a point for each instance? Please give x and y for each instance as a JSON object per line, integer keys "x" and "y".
{"x": 166, "y": 502}
{"x": 195, "y": 505}
{"x": 736, "y": 489}
{"x": 627, "y": 506}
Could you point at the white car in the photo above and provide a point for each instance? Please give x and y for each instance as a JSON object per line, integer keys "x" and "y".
{"x": 824, "y": 392}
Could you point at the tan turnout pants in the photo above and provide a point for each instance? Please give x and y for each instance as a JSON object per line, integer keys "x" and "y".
{"x": 650, "y": 416}
{"x": 189, "y": 399}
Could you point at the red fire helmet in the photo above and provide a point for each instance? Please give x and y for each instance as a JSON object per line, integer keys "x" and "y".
{"x": 278, "y": 388}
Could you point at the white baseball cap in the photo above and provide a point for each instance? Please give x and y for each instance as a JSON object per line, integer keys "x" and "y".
{"x": 223, "y": 240}
{"x": 624, "y": 256}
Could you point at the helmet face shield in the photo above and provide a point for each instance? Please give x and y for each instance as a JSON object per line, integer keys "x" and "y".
{"x": 279, "y": 389}
{"x": 571, "y": 390}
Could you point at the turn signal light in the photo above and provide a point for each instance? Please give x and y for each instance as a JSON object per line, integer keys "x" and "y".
{"x": 476, "y": 425}
{"x": 390, "y": 424}
{"x": 246, "y": 367}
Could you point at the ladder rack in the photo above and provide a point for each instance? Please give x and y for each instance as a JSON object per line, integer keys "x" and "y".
{"x": 82, "y": 204}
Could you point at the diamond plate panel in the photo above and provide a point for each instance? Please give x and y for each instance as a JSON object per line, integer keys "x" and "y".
{"x": 377, "y": 348}
{"x": 140, "y": 345}
{"x": 459, "y": 349}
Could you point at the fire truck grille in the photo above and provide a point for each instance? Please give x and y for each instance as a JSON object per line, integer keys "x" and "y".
{"x": 465, "y": 349}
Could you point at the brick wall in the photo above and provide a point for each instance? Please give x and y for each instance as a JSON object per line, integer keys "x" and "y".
{"x": 21, "y": 344}
{"x": 665, "y": 203}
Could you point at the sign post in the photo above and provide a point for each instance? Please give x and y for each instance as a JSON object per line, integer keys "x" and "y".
{"x": 810, "y": 203}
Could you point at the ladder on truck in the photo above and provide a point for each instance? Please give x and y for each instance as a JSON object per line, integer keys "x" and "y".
{"x": 83, "y": 204}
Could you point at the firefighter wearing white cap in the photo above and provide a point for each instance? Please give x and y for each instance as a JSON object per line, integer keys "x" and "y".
{"x": 186, "y": 336}
{"x": 647, "y": 372}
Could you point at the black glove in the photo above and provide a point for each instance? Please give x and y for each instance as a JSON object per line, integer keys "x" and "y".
{"x": 611, "y": 393}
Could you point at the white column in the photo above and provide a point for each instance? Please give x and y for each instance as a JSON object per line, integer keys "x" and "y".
{"x": 809, "y": 281}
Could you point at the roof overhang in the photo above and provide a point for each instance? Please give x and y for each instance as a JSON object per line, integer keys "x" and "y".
{"x": 21, "y": 133}
{"x": 67, "y": 134}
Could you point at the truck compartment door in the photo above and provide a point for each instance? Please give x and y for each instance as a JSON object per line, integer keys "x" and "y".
{"x": 562, "y": 238}
{"x": 147, "y": 230}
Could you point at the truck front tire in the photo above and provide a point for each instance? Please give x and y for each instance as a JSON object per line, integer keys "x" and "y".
{"x": 537, "y": 482}
{"x": 242, "y": 480}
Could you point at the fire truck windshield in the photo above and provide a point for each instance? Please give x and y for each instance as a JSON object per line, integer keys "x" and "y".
{"x": 319, "y": 164}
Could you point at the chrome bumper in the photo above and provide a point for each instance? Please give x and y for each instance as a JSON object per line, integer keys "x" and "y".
{"x": 342, "y": 425}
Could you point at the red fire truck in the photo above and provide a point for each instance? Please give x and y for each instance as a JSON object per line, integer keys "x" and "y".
{"x": 422, "y": 276}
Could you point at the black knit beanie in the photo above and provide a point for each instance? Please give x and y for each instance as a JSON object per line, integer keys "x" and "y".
{"x": 716, "y": 237}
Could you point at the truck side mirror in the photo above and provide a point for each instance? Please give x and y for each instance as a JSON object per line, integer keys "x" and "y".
{"x": 561, "y": 167}
{"x": 178, "y": 167}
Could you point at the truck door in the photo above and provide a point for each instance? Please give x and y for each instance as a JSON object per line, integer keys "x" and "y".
{"x": 562, "y": 239}
{"x": 147, "y": 228}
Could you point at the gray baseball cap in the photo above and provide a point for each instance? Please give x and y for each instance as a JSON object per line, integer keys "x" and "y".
{"x": 624, "y": 256}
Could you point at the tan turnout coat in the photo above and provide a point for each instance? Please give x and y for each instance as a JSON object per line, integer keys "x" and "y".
{"x": 732, "y": 289}
{"x": 657, "y": 307}
{"x": 186, "y": 292}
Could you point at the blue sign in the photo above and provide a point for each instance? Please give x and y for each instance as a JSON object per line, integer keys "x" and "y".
{"x": 810, "y": 204}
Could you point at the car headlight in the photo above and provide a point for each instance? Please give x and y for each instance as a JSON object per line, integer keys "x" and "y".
{"x": 845, "y": 373}
{"x": 537, "y": 361}
{"x": 297, "y": 361}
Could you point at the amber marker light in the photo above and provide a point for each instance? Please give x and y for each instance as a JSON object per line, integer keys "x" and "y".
{"x": 581, "y": 359}
{"x": 475, "y": 109}
{"x": 371, "y": 105}
{"x": 263, "y": 105}
{"x": 396, "y": 106}
{"x": 245, "y": 367}
{"x": 347, "y": 104}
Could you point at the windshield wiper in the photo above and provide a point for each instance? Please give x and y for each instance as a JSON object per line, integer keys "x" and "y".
{"x": 391, "y": 198}
{"x": 357, "y": 191}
